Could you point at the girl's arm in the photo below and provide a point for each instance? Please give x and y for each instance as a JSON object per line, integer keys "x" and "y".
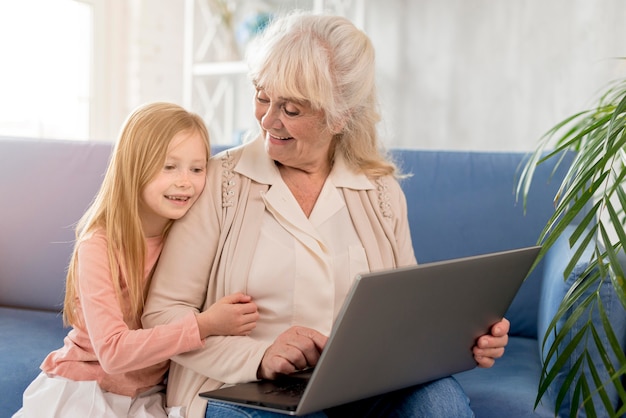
{"x": 231, "y": 315}
{"x": 120, "y": 344}
{"x": 181, "y": 284}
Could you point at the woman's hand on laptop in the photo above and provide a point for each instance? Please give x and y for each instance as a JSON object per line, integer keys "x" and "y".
{"x": 489, "y": 347}
{"x": 297, "y": 348}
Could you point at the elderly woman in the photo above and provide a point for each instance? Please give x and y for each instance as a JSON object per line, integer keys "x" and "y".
{"x": 290, "y": 218}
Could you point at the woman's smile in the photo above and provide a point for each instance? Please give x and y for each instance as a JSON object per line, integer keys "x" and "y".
{"x": 278, "y": 139}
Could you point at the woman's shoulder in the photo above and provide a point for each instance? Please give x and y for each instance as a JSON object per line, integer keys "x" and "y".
{"x": 223, "y": 182}
{"x": 388, "y": 183}
{"x": 387, "y": 195}
{"x": 228, "y": 154}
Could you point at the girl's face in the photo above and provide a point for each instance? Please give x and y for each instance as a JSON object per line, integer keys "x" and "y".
{"x": 176, "y": 187}
{"x": 295, "y": 135}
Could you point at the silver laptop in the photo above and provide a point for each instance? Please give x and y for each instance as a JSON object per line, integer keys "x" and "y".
{"x": 397, "y": 328}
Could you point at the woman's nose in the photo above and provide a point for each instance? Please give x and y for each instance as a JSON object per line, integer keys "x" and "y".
{"x": 271, "y": 118}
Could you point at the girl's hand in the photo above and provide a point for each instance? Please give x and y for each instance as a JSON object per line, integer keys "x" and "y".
{"x": 234, "y": 314}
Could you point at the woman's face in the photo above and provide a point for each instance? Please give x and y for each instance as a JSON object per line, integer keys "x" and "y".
{"x": 295, "y": 135}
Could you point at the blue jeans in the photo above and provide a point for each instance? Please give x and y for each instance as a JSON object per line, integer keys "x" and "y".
{"x": 440, "y": 398}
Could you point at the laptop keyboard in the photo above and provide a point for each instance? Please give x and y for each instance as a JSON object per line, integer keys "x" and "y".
{"x": 292, "y": 389}
{"x": 292, "y": 385}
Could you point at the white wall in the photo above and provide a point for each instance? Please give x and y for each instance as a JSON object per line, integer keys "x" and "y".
{"x": 479, "y": 74}
{"x": 138, "y": 59}
{"x": 491, "y": 74}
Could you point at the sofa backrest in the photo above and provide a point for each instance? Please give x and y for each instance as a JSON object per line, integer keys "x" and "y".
{"x": 460, "y": 204}
{"x": 47, "y": 186}
{"x": 464, "y": 203}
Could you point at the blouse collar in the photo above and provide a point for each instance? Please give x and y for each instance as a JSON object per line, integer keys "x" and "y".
{"x": 255, "y": 164}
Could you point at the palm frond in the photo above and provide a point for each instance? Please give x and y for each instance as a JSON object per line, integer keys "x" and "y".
{"x": 592, "y": 198}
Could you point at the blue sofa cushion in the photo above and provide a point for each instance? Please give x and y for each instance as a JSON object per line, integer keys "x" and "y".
{"x": 519, "y": 368}
{"x": 36, "y": 333}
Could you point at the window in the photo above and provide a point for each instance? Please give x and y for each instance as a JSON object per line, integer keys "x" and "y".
{"x": 46, "y": 72}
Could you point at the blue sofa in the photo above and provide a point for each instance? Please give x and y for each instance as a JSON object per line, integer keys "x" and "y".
{"x": 460, "y": 204}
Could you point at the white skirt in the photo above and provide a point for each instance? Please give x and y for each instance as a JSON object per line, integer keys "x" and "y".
{"x": 57, "y": 397}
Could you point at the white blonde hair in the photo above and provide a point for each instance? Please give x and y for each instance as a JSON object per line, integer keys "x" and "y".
{"x": 328, "y": 62}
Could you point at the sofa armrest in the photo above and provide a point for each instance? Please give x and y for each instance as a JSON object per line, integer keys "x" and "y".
{"x": 554, "y": 288}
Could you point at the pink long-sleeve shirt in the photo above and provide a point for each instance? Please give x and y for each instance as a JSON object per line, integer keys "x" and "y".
{"x": 109, "y": 345}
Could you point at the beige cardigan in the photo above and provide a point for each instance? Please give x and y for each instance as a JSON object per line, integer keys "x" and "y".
{"x": 208, "y": 254}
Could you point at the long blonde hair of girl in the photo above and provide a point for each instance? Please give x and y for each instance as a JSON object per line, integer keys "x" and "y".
{"x": 137, "y": 157}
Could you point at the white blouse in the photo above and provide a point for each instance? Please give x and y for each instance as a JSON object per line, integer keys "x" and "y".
{"x": 303, "y": 264}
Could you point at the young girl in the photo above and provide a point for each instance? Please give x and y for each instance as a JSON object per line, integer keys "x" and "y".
{"x": 109, "y": 366}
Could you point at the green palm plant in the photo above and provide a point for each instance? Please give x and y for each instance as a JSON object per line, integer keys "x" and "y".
{"x": 589, "y": 206}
